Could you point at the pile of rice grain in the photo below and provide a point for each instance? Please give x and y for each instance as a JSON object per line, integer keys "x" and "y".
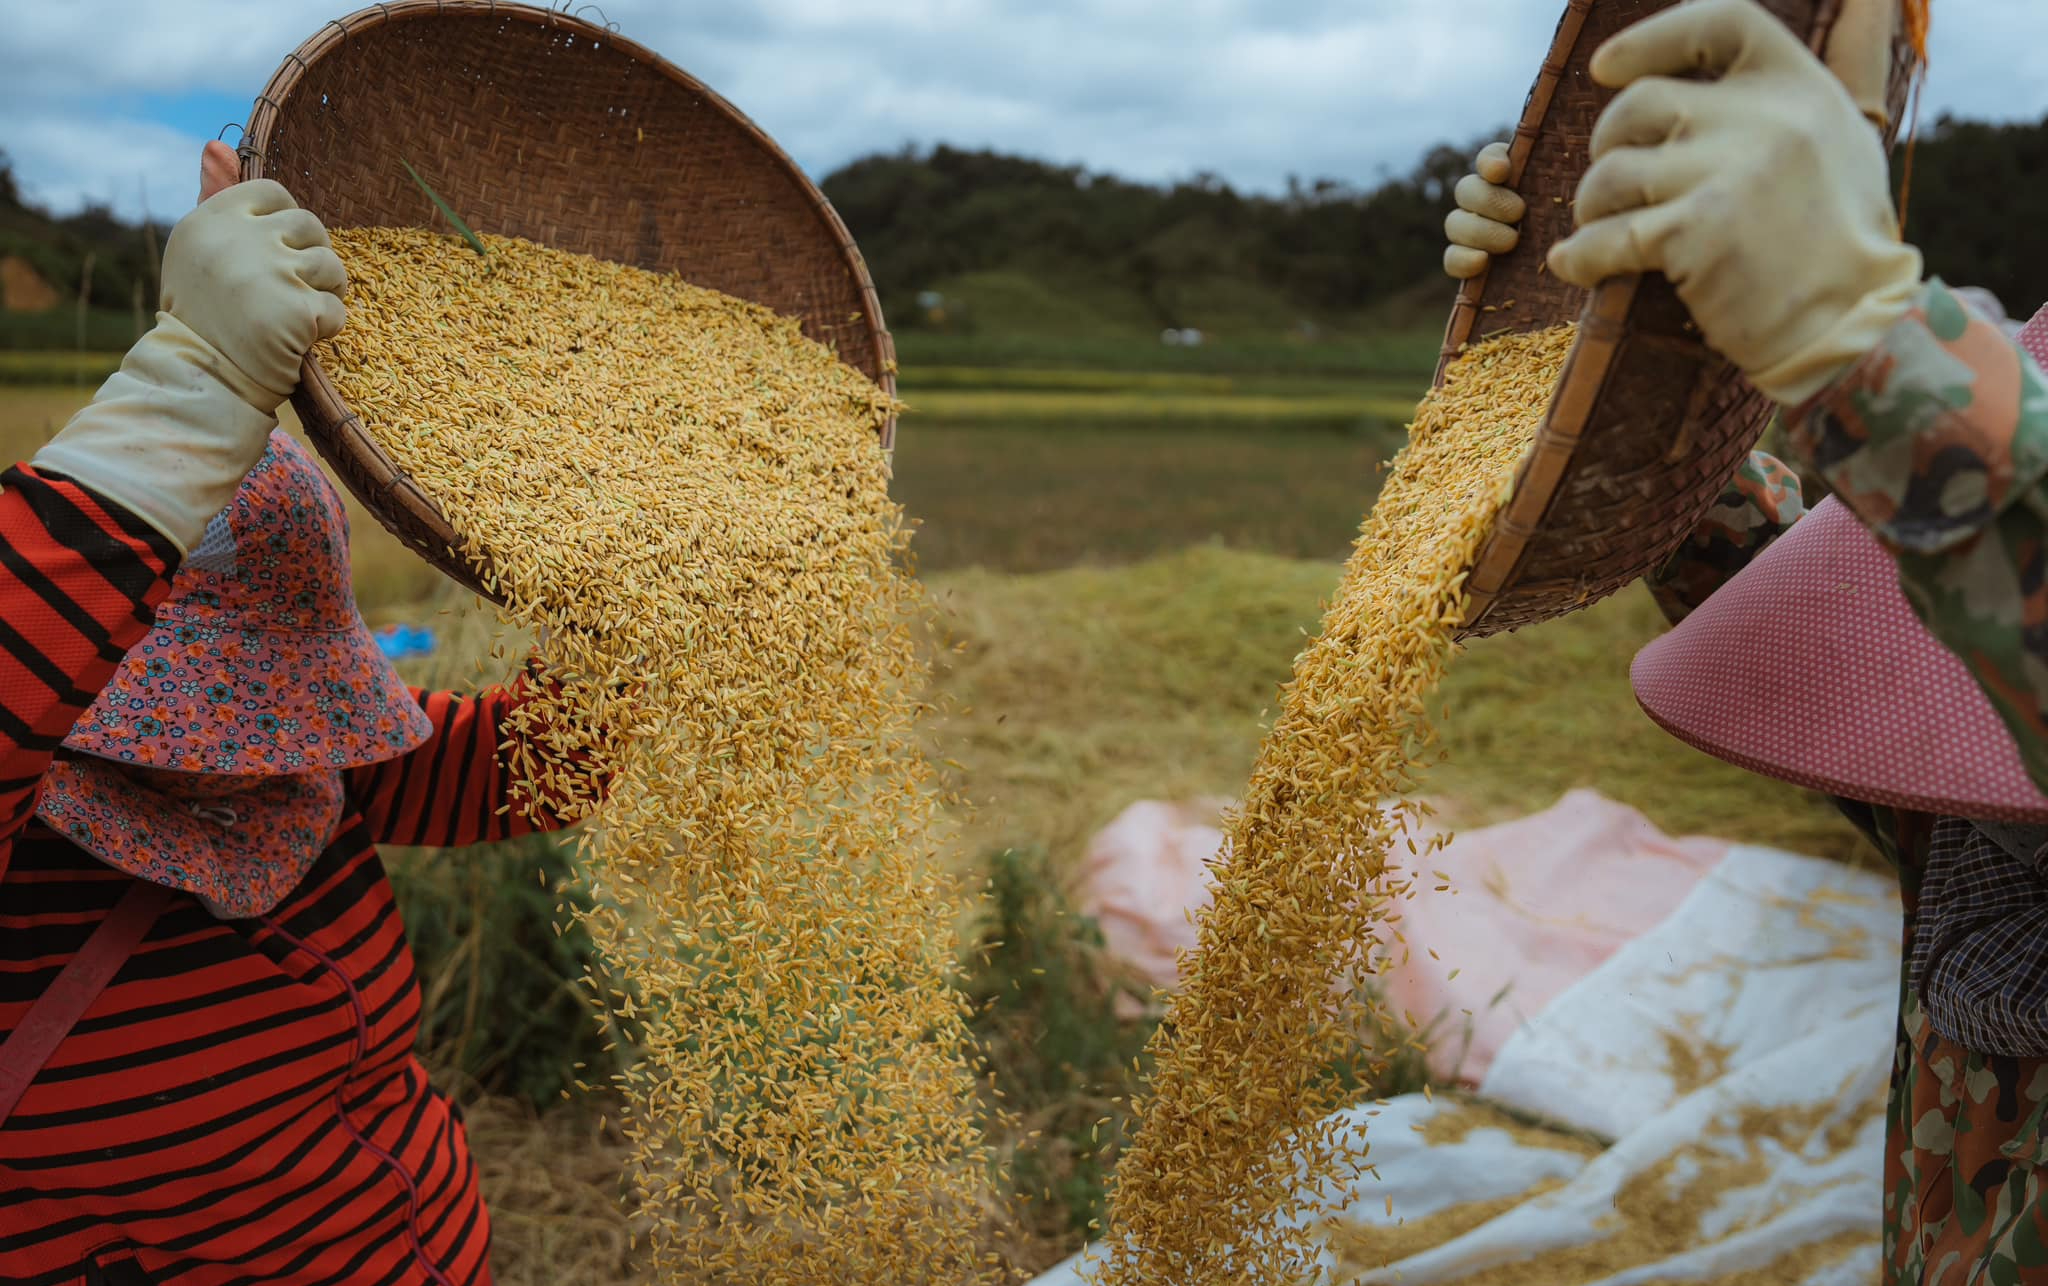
{"x": 1233, "y": 1139}
{"x": 687, "y": 500}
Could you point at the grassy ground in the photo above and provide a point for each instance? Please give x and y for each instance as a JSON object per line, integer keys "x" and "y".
{"x": 1008, "y": 319}
{"x": 30, "y": 414}
{"x": 1409, "y": 353}
{"x": 1067, "y": 490}
{"x": 1106, "y": 494}
{"x": 1078, "y": 691}
{"x": 56, "y": 367}
{"x": 1112, "y": 466}
{"x": 919, "y": 381}
{"x": 1166, "y": 407}
{"x": 107, "y": 330}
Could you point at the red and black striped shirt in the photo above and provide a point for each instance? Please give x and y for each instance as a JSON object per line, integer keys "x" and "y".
{"x": 241, "y": 1105}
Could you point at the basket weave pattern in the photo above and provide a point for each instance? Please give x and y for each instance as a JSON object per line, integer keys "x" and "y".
{"x": 1647, "y": 424}
{"x": 533, "y": 123}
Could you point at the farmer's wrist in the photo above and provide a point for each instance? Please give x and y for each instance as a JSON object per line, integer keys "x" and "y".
{"x": 169, "y": 436}
{"x": 1940, "y": 427}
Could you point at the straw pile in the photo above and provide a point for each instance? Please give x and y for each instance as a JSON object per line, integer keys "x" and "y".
{"x": 686, "y": 499}
{"x": 1221, "y": 1183}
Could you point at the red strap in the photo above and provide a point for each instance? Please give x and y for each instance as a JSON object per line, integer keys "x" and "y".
{"x": 83, "y": 978}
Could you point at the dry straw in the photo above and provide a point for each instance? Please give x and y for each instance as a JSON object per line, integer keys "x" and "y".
{"x": 1234, "y": 1150}
{"x": 688, "y": 501}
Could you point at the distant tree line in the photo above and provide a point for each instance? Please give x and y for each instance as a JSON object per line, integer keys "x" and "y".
{"x": 1978, "y": 205}
{"x": 922, "y": 216}
{"x": 114, "y": 260}
{"x": 1979, "y": 195}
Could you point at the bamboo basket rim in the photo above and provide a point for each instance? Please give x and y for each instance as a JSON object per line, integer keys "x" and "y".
{"x": 387, "y": 490}
{"x": 1602, "y": 326}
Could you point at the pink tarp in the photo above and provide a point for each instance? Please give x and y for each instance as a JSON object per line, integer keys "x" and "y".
{"x": 1533, "y": 906}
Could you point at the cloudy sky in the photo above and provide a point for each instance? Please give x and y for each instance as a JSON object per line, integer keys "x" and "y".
{"x": 109, "y": 99}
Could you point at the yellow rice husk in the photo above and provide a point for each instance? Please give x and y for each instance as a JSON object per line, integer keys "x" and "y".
{"x": 686, "y": 500}
{"x": 1226, "y": 1178}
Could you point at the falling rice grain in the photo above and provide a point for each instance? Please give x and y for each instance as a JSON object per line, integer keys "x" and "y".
{"x": 1231, "y": 1169}
{"x": 686, "y": 499}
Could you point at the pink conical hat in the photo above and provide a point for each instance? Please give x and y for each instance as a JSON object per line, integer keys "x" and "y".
{"x": 1811, "y": 667}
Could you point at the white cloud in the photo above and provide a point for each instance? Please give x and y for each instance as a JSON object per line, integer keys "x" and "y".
{"x": 67, "y": 161}
{"x": 87, "y": 48}
{"x": 1155, "y": 89}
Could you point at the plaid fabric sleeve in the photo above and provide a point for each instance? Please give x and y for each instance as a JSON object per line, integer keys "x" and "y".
{"x": 1759, "y": 504}
{"x": 1978, "y": 961}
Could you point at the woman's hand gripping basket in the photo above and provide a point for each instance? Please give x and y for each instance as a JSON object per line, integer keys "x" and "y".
{"x": 536, "y": 124}
{"x": 1647, "y": 423}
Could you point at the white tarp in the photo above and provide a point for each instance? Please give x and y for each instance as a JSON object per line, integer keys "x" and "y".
{"x": 1725, "y": 1073}
{"x": 1525, "y": 909}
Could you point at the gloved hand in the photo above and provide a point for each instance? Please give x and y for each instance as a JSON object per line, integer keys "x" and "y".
{"x": 1763, "y": 195}
{"x": 250, "y": 283}
{"x": 1483, "y": 225}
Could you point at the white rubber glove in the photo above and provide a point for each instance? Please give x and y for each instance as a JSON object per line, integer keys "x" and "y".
{"x": 1483, "y": 225}
{"x": 1763, "y": 195}
{"x": 250, "y": 283}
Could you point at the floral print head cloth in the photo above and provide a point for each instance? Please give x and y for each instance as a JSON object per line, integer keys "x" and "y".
{"x": 259, "y": 666}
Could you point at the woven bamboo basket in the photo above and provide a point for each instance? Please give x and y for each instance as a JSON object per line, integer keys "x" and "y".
{"x": 535, "y": 123}
{"x": 1647, "y": 424}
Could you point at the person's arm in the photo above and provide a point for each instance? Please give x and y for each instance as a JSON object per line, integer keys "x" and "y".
{"x": 1938, "y": 440}
{"x": 80, "y": 580}
{"x": 1762, "y": 193}
{"x": 93, "y": 527}
{"x": 1759, "y": 503}
{"x": 249, "y": 284}
{"x": 468, "y": 783}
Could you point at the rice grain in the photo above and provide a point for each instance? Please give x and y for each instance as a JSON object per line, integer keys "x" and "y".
{"x": 1231, "y": 1171}
{"x": 686, "y": 500}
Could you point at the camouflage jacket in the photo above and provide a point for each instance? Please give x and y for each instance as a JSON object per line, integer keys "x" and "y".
{"x": 1938, "y": 440}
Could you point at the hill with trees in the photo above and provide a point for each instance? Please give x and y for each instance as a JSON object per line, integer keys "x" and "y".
{"x": 1199, "y": 254}
{"x": 985, "y": 243}
{"x": 114, "y": 263}
{"x": 1028, "y": 243}
{"x": 1976, "y": 205}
